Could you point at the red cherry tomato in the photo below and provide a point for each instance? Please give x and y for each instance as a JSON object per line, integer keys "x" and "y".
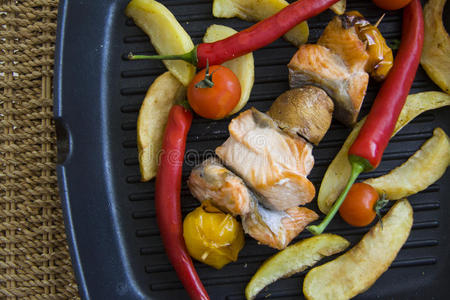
{"x": 358, "y": 208}
{"x": 391, "y": 4}
{"x": 218, "y": 100}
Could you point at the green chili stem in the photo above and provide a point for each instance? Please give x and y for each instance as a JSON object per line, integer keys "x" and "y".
{"x": 190, "y": 57}
{"x": 357, "y": 168}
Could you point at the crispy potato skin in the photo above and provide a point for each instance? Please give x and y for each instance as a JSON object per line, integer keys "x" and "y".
{"x": 306, "y": 111}
{"x": 421, "y": 170}
{"x": 164, "y": 92}
{"x": 294, "y": 259}
{"x": 339, "y": 170}
{"x": 166, "y": 35}
{"x": 339, "y": 7}
{"x": 436, "y": 46}
{"x": 242, "y": 66}
{"x": 357, "y": 269}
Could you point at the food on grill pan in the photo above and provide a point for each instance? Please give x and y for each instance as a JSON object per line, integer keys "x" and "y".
{"x": 271, "y": 162}
{"x": 166, "y": 35}
{"x": 211, "y": 181}
{"x": 212, "y": 236}
{"x": 260, "y": 175}
{"x": 164, "y": 92}
{"x": 243, "y": 66}
{"x": 421, "y": 170}
{"x": 339, "y": 170}
{"x": 436, "y": 46}
{"x": 305, "y": 111}
{"x": 357, "y": 269}
{"x": 294, "y": 259}
{"x": 257, "y": 10}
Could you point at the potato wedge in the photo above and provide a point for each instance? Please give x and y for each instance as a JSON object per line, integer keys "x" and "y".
{"x": 357, "y": 269}
{"x": 166, "y": 35}
{"x": 436, "y": 45}
{"x": 165, "y": 91}
{"x": 421, "y": 170}
{"x": 339, "y": 7}
{"x": 294, "y": 259}
{"x": 338, "y": 171}
{"x": 257, "y": 10}
{"x": 243, "y": 67}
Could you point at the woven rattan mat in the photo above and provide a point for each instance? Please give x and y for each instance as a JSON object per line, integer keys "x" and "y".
{"x": 34, "y": 257}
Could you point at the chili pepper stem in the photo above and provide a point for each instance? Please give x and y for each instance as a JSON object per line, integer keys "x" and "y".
{"x": 190, "y": 57}
{"x": 357, "y": 168}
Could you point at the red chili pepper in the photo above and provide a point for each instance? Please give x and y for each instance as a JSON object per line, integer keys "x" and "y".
{"x": 167, "y": 198}
{"x": 366, "y": 151}
{"x": 250, "y": 39}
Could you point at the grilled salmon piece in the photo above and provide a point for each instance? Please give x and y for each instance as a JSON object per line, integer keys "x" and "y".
{"x": 277, "y": 228}
{"x": 336, "y": 64}
{"x": 210, "y": 180}
{"x": 320, "y": 66}
{"x": 341, "y": 37}
{"x": 271, "y": 162}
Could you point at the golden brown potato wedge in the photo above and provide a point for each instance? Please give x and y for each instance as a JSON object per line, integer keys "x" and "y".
{"x": 338, "y": 171}
{"x": 357, "y": 269}
{"x": 257, "y": 10}
{"x": 339, "y": 7}
{"x": 294, "y": 259}
{"x": 421, "y": 170}
{"x": 306, "y": 111}
{"x": 166, "y": 35}
{"x": 165, "y": 91}
{"x": 243, "y": 67}
{"x": 436, "y": 45}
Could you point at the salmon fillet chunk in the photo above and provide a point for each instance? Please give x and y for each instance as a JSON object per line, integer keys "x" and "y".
{"x": 210, "y": 180}
{"x": 341, "y": 37}
{"x": 319, "y": 66}
{"x": 277, "y": 229}
{"x": 272, "y": 163}
{"x": 337, "y": 64}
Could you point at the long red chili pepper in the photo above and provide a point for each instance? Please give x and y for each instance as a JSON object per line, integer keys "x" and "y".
{"x": 366, "y": 151}
{"x": 167, "y": 198}
{"x": 250, "y": 39}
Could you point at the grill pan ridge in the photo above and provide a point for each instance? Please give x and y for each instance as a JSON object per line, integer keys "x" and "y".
{"x": 114, "y": 241}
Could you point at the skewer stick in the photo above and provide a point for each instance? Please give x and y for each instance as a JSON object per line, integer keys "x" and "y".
{"x": 379, "y": 20}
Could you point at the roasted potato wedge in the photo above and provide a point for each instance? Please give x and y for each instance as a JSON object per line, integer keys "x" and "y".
{"x": 294, "y": 259}
{"x": 421, "y": 170}
{"x": 243, "y": 67}
{"x": 257, "y": 10}
{"x": 436, "y": 45}
{"x": 357, "y": 269}
{"x": 339, "y": 7}
{"x": 338, "y": 171}
{"x": 306, "y": 111}
{"x": 165, "y": 91}
{"x": 166, "y": 35}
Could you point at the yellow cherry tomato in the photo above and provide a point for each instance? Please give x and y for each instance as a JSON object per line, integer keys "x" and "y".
{"x": 211, "y": 236}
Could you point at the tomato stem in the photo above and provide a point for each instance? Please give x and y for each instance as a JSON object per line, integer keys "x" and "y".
{"x": 207, "y": 81}
{"x": 357, "y": 168}
{"x": 379, "y": 205}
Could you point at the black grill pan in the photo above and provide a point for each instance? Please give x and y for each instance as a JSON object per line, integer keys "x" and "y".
{"x": 110, "y": 217}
